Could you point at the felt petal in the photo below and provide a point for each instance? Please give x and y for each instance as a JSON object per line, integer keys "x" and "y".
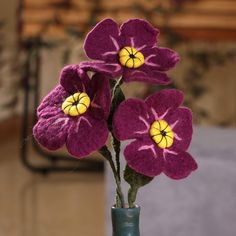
{"x": 100, "y": 105}
{"x": 138, "y": 33}
{"x": 181, "y": 122}
{"x": 163, "y": 102}
{"x": 102, "y": 42}
{"x": 52, "y": 132}
{"x": 51, "y": 104}
{"x": 110, "y": 69}
{"x": 131, "y": 119}
{"x": 146, "y": 74}
{"x": 179, "y": 166}
{"x": 144, "y": 157}
{"x": 161, "y": 59}
{"x": 86, "y": 135}
{"x": 73, "y": 78}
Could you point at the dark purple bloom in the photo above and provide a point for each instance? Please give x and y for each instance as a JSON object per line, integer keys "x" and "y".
{"x": 129, "y": 51}
{"x": 74, "y": 113}
{"x": 161, "y": 131}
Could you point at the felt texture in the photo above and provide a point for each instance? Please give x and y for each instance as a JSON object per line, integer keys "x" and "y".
{"x": 82, "y": 134}
{"x": 179, "y": 166}
{"x": 139, "y": 33}
{"x": 183, "y": 128}
{"x": 146, "y": 75}
{"x": 133, "y": 120}
{"x": 51, "y": 104}
{"x": 69, "y": 79}
{"x": 99, "y": 40}
{"x": 127, "y": 122}
{"x": 130, "y": 57}
{"x": 148, "y": 161}
{"x": 74, "y": 78}
{"x": 86, "y": 135}
{"x": 51, "y": 132}
{"x": 99, "y": 90}
{"x": 76, "y": 104}
{"x": 109, "y": 69}
{"x": 165, "y": 100}
{"x": 162, "y": 134}
{"x": 163, "y": 59}
{"x": 106, "y": 40}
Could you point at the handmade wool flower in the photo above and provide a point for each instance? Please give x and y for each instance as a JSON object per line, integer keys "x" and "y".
{"x": 74, "y": 113}
{"x": 161, "y": 131}
{"x": 129, "y": 51}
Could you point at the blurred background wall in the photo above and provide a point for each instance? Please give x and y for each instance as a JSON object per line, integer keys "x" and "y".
{"x": 9, "y": 77}
{"x": 202, "y": 31}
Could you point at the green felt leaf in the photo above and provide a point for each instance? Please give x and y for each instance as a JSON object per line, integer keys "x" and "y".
{"x": 135, "y": 179}
{"x": 117, "y": 98}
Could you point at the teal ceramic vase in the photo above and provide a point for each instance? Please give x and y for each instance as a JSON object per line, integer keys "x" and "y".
{"x": 125, "y": 221}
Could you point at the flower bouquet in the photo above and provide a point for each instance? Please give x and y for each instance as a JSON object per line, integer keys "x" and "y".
{"x": 86, "y": 107}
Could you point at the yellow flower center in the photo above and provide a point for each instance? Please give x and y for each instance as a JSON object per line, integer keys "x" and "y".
{"x": 162, "y": 134}
{"x": 131, "y": 57}
{"x": 76, "y": 104}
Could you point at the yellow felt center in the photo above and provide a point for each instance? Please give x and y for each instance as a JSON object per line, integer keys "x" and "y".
{"x": 130, "y": 57}
{"x": 162, "y": 134}
{"x": 76, "y": 104}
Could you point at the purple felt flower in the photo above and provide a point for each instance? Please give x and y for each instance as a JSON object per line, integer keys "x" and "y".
{"x": 74, "y": 113}
{"x": 161, "y": 132}
{"x": 129, "y": 51}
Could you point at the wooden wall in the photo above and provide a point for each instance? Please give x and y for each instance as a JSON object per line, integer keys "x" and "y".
{"x": 196, "y": 19}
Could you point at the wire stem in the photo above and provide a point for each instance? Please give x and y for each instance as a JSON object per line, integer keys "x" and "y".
{"x": 107, "y": 154}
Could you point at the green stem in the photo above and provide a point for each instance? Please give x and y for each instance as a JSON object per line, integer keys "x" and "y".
{"x": 116, "y": 86}
{"x": 132, "y": 196}
{"x": 107, "y": 154}
{"x": 116, "y": 99}
{"x": 116, "y": 147}
{"x": 116, "y": 142}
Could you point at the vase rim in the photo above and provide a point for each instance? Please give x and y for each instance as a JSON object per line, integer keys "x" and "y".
{"x": 125, "y": 208}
